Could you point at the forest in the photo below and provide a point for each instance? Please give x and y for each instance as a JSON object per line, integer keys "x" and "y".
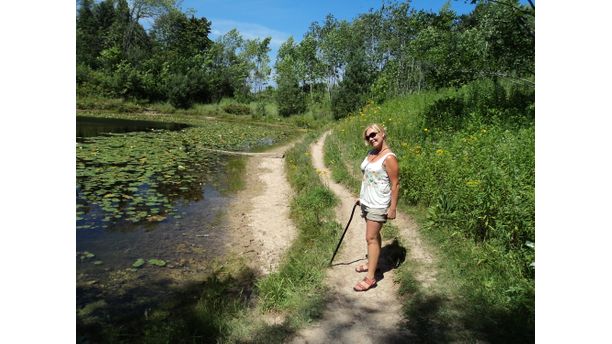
{"x": 381, "y": 54}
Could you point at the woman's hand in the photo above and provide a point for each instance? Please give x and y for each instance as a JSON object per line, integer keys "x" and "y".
{"x": 391, "y": 213}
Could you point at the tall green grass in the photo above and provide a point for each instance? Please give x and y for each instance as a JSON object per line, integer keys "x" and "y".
{"x": 261, "y": 111}
{"x": 335, "y": 161}
{"x": 467, "y": 156}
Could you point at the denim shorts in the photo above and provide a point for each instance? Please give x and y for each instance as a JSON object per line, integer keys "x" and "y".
{"x": 374, "y": 214}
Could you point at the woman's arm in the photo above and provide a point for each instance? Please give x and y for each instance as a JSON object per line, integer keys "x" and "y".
{"x": 392, "y": 168}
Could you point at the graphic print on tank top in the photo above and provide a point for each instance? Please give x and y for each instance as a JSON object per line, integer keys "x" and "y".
{"x": 375, "y": 185}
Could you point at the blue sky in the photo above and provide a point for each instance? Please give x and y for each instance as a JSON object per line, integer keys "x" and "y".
{"x": 281, "y": 19}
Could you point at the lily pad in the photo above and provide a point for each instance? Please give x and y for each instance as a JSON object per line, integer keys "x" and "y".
{"x": 156, "y": 218}
{"x": 91, "y": 307}
{"x": 138, "y": 263}
{"x": 157, "y": 262}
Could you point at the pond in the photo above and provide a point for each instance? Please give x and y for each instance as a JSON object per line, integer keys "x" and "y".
{"x": 96, "y": 126}
{"x": 150, "y": 212}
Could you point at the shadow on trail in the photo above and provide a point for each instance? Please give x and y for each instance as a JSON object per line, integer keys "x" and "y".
{"x": 348, "y": 263}
{"x": 342, "y": 329}
{"x": 433, "y": 317}
{"x": 391, "y": 256}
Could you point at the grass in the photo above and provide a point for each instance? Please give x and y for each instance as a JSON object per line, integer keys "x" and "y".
{"x": 336, "y": 162}
{"x": 260, "y": 111}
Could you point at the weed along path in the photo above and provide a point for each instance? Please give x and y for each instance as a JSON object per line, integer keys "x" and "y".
{"x": 374, "y": 316}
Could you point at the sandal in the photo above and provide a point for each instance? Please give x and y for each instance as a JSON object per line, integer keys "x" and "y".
{"x": 365, "y": 284}
{"x": 362, "y": 268}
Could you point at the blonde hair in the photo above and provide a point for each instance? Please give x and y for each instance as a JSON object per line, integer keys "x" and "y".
{"x": 377, "y": 127}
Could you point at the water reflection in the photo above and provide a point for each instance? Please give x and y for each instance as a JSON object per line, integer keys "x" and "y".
{"x": 95, "y": 126}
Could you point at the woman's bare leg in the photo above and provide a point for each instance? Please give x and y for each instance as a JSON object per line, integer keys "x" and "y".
{"x": 374, "y": 242}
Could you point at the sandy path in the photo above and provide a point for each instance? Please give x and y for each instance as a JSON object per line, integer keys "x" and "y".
{"x": 262, "y": 230}
{"x": 374, "y": 316}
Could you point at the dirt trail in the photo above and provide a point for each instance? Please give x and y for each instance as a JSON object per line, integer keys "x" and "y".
{"x": 374, "y": 316}
{"x": 262, "y": 232}
{"x": 259, "y": 216}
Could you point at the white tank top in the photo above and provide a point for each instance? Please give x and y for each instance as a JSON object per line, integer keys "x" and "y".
{"x": 375, "y": 185}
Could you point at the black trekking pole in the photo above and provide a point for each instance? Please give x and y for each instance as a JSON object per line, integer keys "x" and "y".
{"x": 345, "y": 229}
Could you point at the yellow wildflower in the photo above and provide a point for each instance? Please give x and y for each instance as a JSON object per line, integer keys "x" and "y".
{"x": 472, "y": 183}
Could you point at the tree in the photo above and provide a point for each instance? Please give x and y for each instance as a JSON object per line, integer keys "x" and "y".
{"x": 181, "y": 39}
{"x": 256, "y": 53}
{"x": 290, "y": 97}
{"x": 508, "y": 30}
{"x": 229, "y": 67}
{"x": 313, "y": 70}
{"x": 401, "y": 72}
{"x": 86, "y": 34}
{"x": 332, "y": 48}
{"x": 138, "y": 10}
{"x": 352, "y": 92}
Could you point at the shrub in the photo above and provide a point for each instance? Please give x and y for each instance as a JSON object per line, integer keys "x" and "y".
{"x": 446, "y": 112}
{"x": 237, "y": 109}
{"x": 352, "y": 92}
{"x": 177, "y": 91}
{"x": 260, "y": 109}
{"x": 291, "y": 99}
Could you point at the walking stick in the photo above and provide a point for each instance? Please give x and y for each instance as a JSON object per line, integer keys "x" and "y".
{"x": 345, "y": 229}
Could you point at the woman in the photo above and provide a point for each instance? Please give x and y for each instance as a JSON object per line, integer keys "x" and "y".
{"x": 378, "y": 197}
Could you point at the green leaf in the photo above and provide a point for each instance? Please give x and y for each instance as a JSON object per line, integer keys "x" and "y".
{"x": 157, "y": 262}
{"x": 138, "y": 263}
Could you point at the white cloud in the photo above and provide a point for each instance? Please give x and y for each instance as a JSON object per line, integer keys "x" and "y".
{"x": 249, "y": 31}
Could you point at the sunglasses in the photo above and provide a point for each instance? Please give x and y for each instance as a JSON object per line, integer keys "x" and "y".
{"x": 372, "y": 135}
